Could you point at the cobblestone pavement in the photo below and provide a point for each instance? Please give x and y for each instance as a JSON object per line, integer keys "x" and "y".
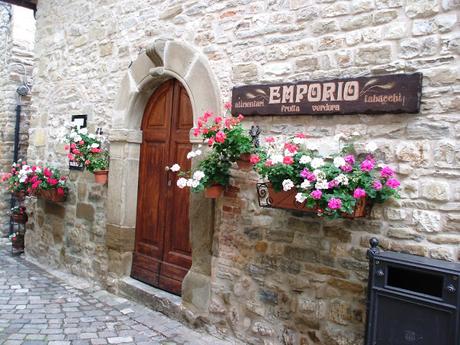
{"x": 37, "y": 308}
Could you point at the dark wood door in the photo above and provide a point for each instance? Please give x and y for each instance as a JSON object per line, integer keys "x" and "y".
{"x": 162, "y": 254}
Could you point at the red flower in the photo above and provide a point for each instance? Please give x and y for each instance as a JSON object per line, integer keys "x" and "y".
{"x": 210, "y": 141}
{"x": 220, "y": 137}
{"x": 218, "y": 119}
{"x": 47, "y": 172}
{"x": 70, "y": 156}
{"x": 52, "y": 181}
{"x": 73, "y": 145}
{"x": 81, "y": 142}
{"x": 36, "y": 184}
{"x": 300, "y": 135}
{"x": 60, "y": 191}
{"x": 228, "y": 106}
{"x": 95, "y": 150}
{"x": 254, "y": 159}
{"x": 288, "y": 160}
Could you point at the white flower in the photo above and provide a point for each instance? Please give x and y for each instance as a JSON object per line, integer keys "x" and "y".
{"x": 277, "y": 159}
{"x": 198, "y": 175}
{"x": 299, "y": 197}
{"x": 342, "y": 179}
{"x": 288, "y": 185}
{"x": 23, "y": 178}
{"x": 299, "y": 141}
{"x": 191, "y": 154}
{"x": 198, "y": 153}
{"x": 305, "y": 159}
{"x": 371, "y": 147}
{"x": 339, "y": 162}
{"x": 92, "y": 136}
{"x": 77, "y": 138}
{"x": 175, "y": 168}
{"x": 195, "y": 183}
{"x": 289, "y": 153}
{"x": 317, "y": 163}
{"x": 189, "y": 182}
{"x": 94, "y": 145}
{"x": 319, "y": 174}
{"x": 83, "y": 131}
{"x": 321, "y": 184}
{"x": 305, "y": 184}
{"x": 38, "y": 170}
{"x": 182, "y": 182}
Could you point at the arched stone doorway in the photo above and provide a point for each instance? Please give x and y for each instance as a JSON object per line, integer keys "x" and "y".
{"x": 162, "y": 61}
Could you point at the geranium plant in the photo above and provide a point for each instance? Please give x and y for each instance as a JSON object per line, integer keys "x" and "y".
{"x": 18, "y": 178}
{"x": 331, "y": 185}
{"x": 87, "y": 150}
{"x": 227, "y": 141}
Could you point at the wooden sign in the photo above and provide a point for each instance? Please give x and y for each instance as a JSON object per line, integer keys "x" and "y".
{"x": 396, "y": 93}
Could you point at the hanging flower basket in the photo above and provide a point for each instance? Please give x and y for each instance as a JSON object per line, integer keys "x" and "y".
{"x": 17, "y": 243}
{"x": 214, "y": 191}
{"x": 19, "y": 218}
{"x": 269, "y": 197}
{"x": 52, "y": 195}
{"x": 101, "y": 176}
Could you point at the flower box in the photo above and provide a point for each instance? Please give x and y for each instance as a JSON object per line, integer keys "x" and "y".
{"x": 51, "y": 195}
{"x": 269, "y": 197}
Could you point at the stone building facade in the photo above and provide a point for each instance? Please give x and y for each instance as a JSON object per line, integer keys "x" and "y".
{"x": 263, "y": 276}
{"x": 16, "y": 54}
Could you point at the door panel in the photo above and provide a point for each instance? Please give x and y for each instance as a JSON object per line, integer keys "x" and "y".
{"x": 162, "y": 254}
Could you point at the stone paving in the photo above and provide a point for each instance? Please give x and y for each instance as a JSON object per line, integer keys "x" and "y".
{"x": 37, "y": 308}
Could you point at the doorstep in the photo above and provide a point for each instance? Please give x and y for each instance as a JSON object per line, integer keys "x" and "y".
{"x": 156, "y": 299}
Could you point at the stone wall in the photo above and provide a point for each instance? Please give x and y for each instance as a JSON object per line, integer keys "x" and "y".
{"x": 16, "y": 47}
{"x": 277, "y": 277}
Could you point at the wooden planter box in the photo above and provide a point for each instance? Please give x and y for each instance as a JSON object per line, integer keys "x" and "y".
{"x": 268, "y": 197}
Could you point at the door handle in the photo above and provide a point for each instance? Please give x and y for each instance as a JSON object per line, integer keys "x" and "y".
{"x": 167, "y": 168}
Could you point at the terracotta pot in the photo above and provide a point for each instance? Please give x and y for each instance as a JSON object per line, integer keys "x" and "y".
{"x": 362, "y": 209}
{"x": 19, "y": 218}
{"x": 244, "y": 163}
{"x": 52, "y": 195}
{"x": 101, "y": 176}
{"x": 214, "y": 191}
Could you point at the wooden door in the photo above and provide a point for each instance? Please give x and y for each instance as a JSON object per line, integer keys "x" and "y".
{"x": 162, "y": 254}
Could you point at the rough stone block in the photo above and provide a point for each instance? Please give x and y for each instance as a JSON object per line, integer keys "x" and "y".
{"x": 421, "y": 8}
{"x": 435, "y": 190}
{"x": 373, "y": 55}
{"x": 54, "y": 209}
{"x": 427, "y": 221}
{"x": 120, "y": 239}
{"x": 85, "y": 211}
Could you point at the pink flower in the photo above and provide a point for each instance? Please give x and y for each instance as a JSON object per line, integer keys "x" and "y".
{"x": 367, "y": 165}
{"x": 359, "y": 193}
{"x": 52, "y": 181}
{"x": 270, "y": 140}
{"x": 300, "y": 135}
{"x": 377, "y": 185}
{"x": 268, "y": 163}
{"x": 288, "y": 160}
{"x": 316, "y": 194}
{"x": 66, "y": 147}
{"x": 228, "y": 123}
{"x": 207, "y": 115}
{"x": 211, "y": 141}
{"x": 240, "y": 117}
{"x": 76, "y": 152}
{"x": 47, "y": 172}
{"x": 196, "y": 132}
{"x": 72, "y": 146}
{"x": 290, "y": 147}
{"x": 36, "y": 184}
{"x": 220, "y": 137}
{"x": 95, "y": 150}
{"x": 304, "y": 173}
{"x": 346, "y": 168}
{"x": 87, "y": 162}
{"x": 386, "y": 172}
{"x": 254, "y": 159}
{"x": 332, "y": 184}
{"x": 218, "y": 119}
{"x": 393, "y": 183}
{"x": 334, "y": 203}
{"x": 60, "y": 191}
{"x": 81, "y": 142}
{"x": 350, "y": 159}
{"x": 228, "y": 105}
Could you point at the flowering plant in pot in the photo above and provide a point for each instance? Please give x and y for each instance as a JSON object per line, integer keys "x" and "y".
{"x": 228, "y": 142}
{"x": 19, "y": 215}
{"x": 48, "y": 183}
{"x": 86, "y": 149}
{"x": 18, "y": 179}
{"x": 343, "y": 184}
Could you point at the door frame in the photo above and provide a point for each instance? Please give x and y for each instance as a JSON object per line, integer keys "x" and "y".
{"x": 163, "y": 60}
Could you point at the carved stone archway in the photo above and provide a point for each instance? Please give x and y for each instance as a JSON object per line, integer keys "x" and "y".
{"x": 165, "y": 59}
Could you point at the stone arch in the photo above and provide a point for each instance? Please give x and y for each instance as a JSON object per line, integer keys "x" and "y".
{"x": 163, "y": 60}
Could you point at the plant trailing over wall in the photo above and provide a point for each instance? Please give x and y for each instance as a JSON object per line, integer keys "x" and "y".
{"x": 227, "y": 141}
{"x": 331, "y": 185}
{"x": 35, "y": 180}
{"x": 87, "y": 150}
